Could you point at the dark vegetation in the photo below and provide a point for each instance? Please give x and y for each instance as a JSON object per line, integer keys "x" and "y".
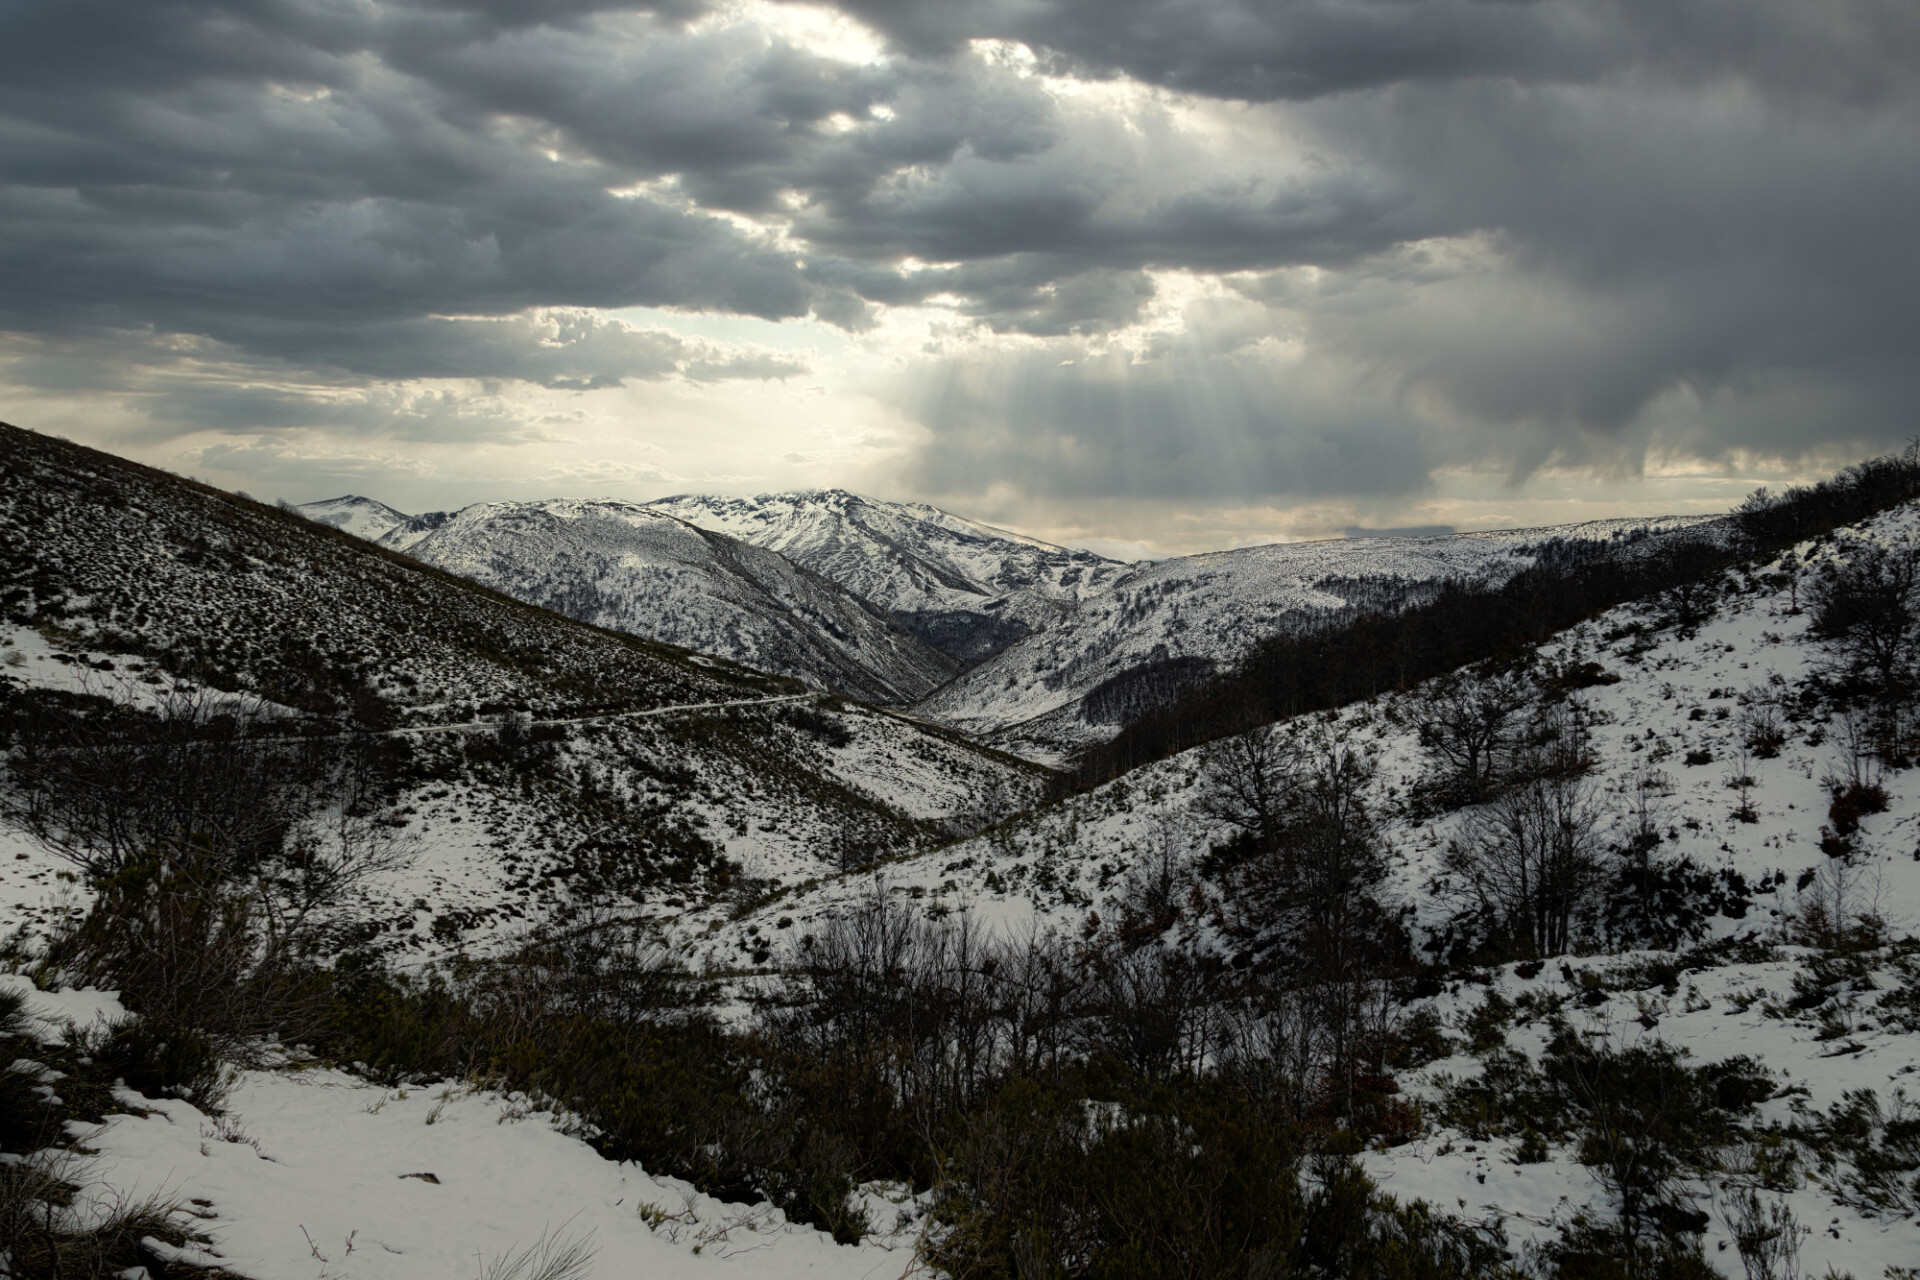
{"x": 967, "y": 637}
{"x": 1352, "y": 660}
{"x": 1083, "y": 1109}
{"x": 219, "y": 842}
{"x": 1642, "y": 1117}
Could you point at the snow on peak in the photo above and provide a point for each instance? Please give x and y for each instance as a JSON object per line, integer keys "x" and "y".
{"x": 967, "y": 588}
{"x": 351, "y": 513}
{"x": 641, "y": 570}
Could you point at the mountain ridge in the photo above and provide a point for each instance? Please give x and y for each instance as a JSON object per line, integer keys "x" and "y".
{"x": 1047, "y": 649}
{"x": 966, "y": 587}
{"x": 643, "y": 571}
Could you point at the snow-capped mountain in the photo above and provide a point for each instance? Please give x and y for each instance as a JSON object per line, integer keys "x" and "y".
{"x": 361, "y": 517}
{"x": 1035, "y": 647}
{"x": 640, "y": 570}
{"x": 1164, "y": 625}
{"x": 967, "y": 588}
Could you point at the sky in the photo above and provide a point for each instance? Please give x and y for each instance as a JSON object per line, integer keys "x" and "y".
{"x": 1165, "y": 275}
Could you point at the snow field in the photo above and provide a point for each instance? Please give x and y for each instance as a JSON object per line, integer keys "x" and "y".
{"x": 313, "y": 1173}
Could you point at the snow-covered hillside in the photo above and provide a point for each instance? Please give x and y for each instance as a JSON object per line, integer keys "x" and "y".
{"x": 1052, "y": 865}
{"x": 1036, "y": 648}
{"x": 549, "y": 765}
{"x": 640, "y": 570}
{"x": 966, "y": 587}
{"x": 361, "y": 517}
{"x": 1671, "y": 713}
{"x": 662, "y": 775}
{"x": 1177, "y": 620}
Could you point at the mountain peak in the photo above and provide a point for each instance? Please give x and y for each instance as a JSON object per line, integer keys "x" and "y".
{"x": 351, "y": 513}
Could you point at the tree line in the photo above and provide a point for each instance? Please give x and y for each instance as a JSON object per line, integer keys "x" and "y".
{"x": 1291, "y": 674}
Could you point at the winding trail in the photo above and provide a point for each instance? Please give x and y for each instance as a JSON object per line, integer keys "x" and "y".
{"x": 476, "y": 726}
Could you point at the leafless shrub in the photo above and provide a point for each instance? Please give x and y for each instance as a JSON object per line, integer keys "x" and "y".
{"x": 220, "y": 841}
{"x": 104, "y": 780}
{"x": 1856, "y": 765}
{"x": 1767, "y": 1234}
{"x": 1761, "y": 723}
{"x": 1558, "y": 743}
{"x": 1646, "y": 812}
{"x": 1153, "y": 1009}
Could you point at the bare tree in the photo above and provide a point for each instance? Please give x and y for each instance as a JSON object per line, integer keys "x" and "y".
{"x": 1333, "y": 855}
{"x": 1532, "y": 858}
{"x": 1306, "y": 900}
{"x": 1692, "y": 567}
{"x": 1247, "y": 782}
{"x": 1154, "y": 1008}
{"x": 1867, "y": 607}
{"x": 1318, "y": 851}
{"x": 1648, "y": 812}
{"x": 1470, "y": 724}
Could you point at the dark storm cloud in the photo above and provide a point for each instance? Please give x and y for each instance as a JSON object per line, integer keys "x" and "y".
{"x": 1267, "y": 50}
{"x": 1645, "y": 248}
{"x": 268, "y": 175}
{"x": 237, "y": 169}
{"x": 1484, "y": 230}
{"x": 431, "y": 417}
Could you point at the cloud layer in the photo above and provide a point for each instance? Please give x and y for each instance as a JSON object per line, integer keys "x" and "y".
{"x": 1192, "y": 250}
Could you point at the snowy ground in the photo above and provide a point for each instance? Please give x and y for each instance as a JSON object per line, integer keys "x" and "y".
{"x": 1716, "y": 1014}
{"x": 315, "y": 1174}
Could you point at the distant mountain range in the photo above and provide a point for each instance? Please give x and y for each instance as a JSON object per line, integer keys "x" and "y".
{"x": 640, "y": 570}
{"x": 966, "y": 588}
{"x": 887, "y": 601}
{"x": 1033, "y": 647}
